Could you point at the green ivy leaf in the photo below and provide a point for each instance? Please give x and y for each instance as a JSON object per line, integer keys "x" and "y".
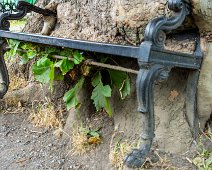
{"x": 13, "y": 44}
{"x": 101, "y": 94}
{"x": 24, "y": 59}
{"x": 66, "y": 52}
{"x": 117, "y": 77}
{"x": 51, "y": 77}
{"x": 120, "y": 80}
{"x": 58, "y": 76}
{"x": 125, "y": 88}
{"x": 51, "y": 50}
{"x": 70, "y": 97}
{"x": 65, "y": 65}
{"x": 42, "y": 70}
{"x": 78, "y": 58}
{"x": 93, "y": 133}
{"x": 31, "y": 54}
{"x": 16, "y": 47}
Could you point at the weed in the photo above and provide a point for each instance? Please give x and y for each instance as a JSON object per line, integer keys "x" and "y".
{"x": 203, "y": 160}
{"x": 83, "y": 139}
{"x": 45, "y": 115}
{"x": 17, "y": 82}
{"x": 17, "y": 25}
{"x": 120, "y": 150}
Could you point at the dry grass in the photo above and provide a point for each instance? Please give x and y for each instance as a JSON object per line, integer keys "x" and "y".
{"x": 119, "y": 151}
{"x": 17, "y": 82}
{"x": 12, "y": 101}
{"x": 203, "y": 160}
{"x": 79, "y": 142}
{"x": 163, "y": 163}
{"x": 123, "y": 147}
{"x": 45, "y": 115}
{"x": 82, "y": 141}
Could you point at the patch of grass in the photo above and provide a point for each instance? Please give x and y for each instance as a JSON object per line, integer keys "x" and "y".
{"x": 83, "y": 139}
{"x": 45, "y": 115}
{"x": 17, "y": 82}
{"x": 119, "y": 151}
{"x": 203, "y": 160}
{"x": 17, "y": 25}
{"x": 120, "y": 147}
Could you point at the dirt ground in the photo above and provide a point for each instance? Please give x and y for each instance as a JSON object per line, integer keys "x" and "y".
{"x": 24, "y": 146}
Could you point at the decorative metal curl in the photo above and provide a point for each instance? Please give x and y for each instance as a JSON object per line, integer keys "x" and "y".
{"x": 23, "y": 8}
{"x": 155, "y": 29}
{"x": 7, "y": 7}
{"x": 4, "y": 77}
{"x": 145, "y": 85}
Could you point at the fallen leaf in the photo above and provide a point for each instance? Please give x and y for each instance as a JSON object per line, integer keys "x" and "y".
{"x": 173, "y": 95}
{"x": 94, "y": 140}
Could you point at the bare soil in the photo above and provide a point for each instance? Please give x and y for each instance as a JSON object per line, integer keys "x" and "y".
{"x": 24, "y": 146}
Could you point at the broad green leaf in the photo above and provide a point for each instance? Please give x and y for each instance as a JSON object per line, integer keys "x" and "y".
{"x": 121, "y": 81}
{"x": 17, "y": 43}
{"x": 42, "y": 70}
{"x": 51, "y": 50}
{"x": 51, "y": 76}
{"x": 28, "y": 46}
{"x": 58, "y": 76}
{"x": 65, "y": 65}
{"x": 103, "y": 59}
{"x": 78, "y": 58}
{"x": 108, "y": 107}
{"x": 31, "y": 54}
{"x": 70, "y": 97}
{"x": 125, "y": 89}
{"x": 13, "y": 44}
{"x": 117, "y": 77}
{"x": 24, "y": 59}
{"x": 96, "y": 79}
{"x": 101, "y": 94}
{"x": 94, "y": 133}
{"x": 66, "y": 52}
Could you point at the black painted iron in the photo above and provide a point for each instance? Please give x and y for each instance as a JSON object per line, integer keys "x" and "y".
{"x": 4, "y": 77}
{"x": 7, "y": 7}
{"x": 155, "y": 37}
{"x": 22, "y": 8}
{"x": 154, "y": 61}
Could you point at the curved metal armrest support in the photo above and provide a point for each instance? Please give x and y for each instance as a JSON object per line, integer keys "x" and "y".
{"x": 145, "y": 92}
{"x": 23, "y": 8}
{"x": 155, "y": 37}
{"x": 155, "y": 29}
{"x": 4, "y": 77}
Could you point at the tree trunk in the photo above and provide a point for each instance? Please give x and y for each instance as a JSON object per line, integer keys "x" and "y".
{"x": 124, "y": 22}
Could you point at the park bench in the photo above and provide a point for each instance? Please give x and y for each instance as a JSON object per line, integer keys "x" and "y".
{"x": 154, "y": 61}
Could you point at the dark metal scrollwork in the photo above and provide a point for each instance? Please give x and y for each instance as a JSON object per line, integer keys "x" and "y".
{"x": 155, "y": 29}
{"x": 4, "y": 77}
{"x": 7, "y": 7}
{"x": 155, "y": 36}
{"x": 23, "y": 8}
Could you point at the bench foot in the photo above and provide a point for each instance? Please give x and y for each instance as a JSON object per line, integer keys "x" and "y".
{"x": 145, "y": 94}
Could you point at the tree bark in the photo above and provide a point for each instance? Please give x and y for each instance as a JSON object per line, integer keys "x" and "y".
{"x": 124, "y": 22}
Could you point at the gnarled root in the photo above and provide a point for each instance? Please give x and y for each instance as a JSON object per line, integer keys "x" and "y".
{"x": 204, "y": 98}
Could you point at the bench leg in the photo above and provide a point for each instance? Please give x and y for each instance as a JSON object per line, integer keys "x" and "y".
{"x": 145, "y": 88}
{"x": 4, "y": 77}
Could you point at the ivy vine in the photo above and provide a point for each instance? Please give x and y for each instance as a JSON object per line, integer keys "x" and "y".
{"x": 48, "y": 59}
